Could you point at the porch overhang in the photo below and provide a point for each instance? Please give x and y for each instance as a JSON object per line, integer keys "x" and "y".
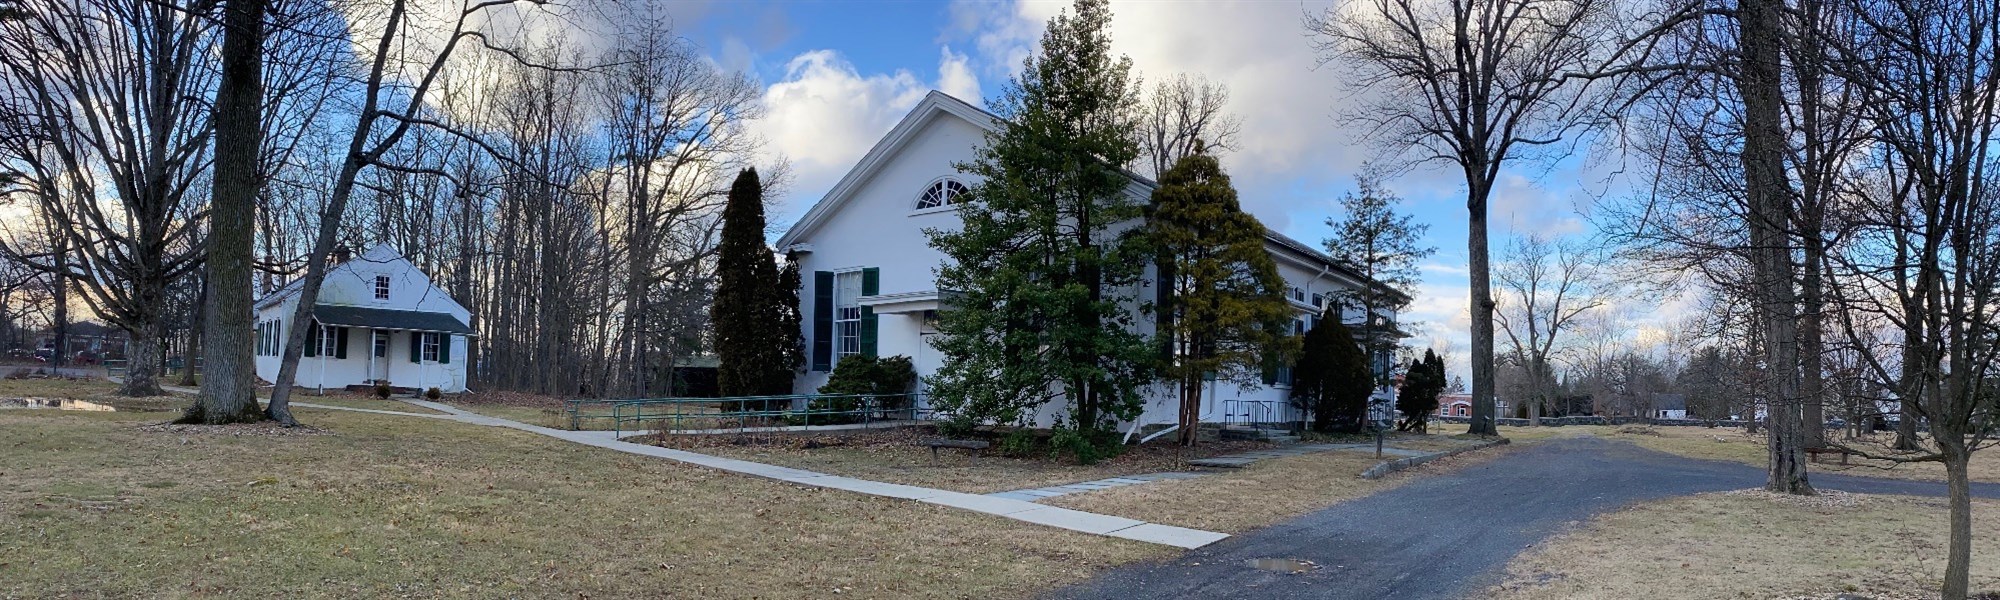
{"x": 906, "y": 302}
{"x": 384, "y": 318}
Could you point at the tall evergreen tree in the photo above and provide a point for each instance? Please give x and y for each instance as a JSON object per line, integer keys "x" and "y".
{"x": 1230, "y": 304}
{"x": 1384, "y": 246}
{"x": 1422, "y": 385}
{"x": 757, "y": 356}
{"x": 1042, "y": 278}
{"x": 1332, "y": 378}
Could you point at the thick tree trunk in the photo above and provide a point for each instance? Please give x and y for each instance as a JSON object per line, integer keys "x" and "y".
{"x": 229, "y": 380}
{"x": 1769, "y": 200}
{"x": 1480, "y": 265}
{"x": 142, "y": 362}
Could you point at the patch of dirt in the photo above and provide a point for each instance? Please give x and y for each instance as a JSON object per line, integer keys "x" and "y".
{"x": 1824, "y": 501}
{"x": 259, "y": 429}
{"x": 1638, "y": 430}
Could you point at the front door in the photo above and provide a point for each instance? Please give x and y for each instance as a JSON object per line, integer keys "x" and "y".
{"x": 378, "y": 357}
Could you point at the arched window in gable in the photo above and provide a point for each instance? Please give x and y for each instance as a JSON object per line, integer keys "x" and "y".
{"x": 943, "y": 192}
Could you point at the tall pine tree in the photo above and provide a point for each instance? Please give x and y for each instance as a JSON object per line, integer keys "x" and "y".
{"x": 1422, "y": 385}
{"x": 1043, "y": 272}
{"x": 1229, "y": 304}
{"x": 1385, "y": 246}
{"x": 1332, "y": 379}
{"x": 757, "y": 353}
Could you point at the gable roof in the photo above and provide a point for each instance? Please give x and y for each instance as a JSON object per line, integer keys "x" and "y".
{"x": 380, "y": 254}
{"x": 936, "y": 104}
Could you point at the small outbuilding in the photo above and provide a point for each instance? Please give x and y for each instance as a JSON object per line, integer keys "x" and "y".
{"x": 377, "y": 319}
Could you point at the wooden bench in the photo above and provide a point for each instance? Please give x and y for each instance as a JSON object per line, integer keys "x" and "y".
{"x": 1812, "y": 454}
{"x": 936, "y": 443}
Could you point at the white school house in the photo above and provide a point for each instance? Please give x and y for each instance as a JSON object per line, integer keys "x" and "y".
{"x": 869, "y": 272}
{"x": 377, "y": 318}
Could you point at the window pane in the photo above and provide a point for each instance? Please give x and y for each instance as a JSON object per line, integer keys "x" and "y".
{"x": 847, "y": 313}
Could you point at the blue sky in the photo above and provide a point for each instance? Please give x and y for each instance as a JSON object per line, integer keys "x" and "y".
{"x": 840, "y": 73}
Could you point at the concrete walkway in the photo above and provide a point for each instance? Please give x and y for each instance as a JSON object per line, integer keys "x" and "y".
{"x": 1019, "y": 510}
{"x": 1037, "y": 494}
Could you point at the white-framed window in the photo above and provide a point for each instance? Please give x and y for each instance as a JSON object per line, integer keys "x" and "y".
{"x": 943, "y": 192}
{"x": 846, "y": 314}
{"x": 430, "y": 348}
{"x": 329, "y": 340}
{"x": 381, "y": 343}
{"x": 381, "y": 287}
{"x": 1319, "y": 300}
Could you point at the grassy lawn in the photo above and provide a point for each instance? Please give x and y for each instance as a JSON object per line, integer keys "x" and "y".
{"x": 1517, "y": 434}
{"x": 1262, "y": 494}
{"x": 93, "y": 505}
{"x": 1756, "y": 545}
{"x": 355, "y": 400}
{"x": 895, "y": 455}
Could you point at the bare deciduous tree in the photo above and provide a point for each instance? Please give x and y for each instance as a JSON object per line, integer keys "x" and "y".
{"x": 1184, "y": 114}
{"x": 1545, "y": 286}
{"x": 1479, "y": 84}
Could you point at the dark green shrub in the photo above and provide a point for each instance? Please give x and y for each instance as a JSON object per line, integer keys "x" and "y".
{"x": 891, "y": 378}
{"x": 1086, "y": 446}
{"x": 1018, "y": 443}
{"x": 433, "y": 393}
{"x": 382, "y": 390}
{"x": 957, "y": 427}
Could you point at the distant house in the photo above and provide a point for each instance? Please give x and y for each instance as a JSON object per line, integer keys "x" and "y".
{"x": 1669, "y": 406}
{"x": 870, "y": 284}
{"x": 1460, "y": 405}
{"x": 377, "y": 318}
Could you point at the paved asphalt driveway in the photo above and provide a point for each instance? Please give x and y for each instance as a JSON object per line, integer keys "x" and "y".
{"x": 1450, "y": 535}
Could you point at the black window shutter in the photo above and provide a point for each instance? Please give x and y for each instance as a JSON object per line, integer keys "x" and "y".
{"x": 871, "y": 284}
{"x": 340, "y": 342}
{"x": 312, "y": 340}
{"x": 416, "y": 347}
{"x": 868, "y": 324}
{"x": 444, "y": 348}
{"x": 822, "y": 332}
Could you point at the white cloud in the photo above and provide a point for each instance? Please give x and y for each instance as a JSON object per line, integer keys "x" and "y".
{"x": 955, "y": 77}
{"x": 824, "y": 114}
{"x": 1259, "y": 50}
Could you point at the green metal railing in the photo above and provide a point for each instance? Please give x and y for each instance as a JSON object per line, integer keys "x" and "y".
{"x": 740, "y": 413}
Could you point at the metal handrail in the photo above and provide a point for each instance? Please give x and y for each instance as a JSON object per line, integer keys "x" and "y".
{"x": 1252, "y": 412}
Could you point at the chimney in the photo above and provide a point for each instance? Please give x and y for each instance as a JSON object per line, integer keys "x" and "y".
{"x": 340, "y": 255}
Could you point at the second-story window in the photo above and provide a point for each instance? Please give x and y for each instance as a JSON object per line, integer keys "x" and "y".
{"x": 381, "y": 287}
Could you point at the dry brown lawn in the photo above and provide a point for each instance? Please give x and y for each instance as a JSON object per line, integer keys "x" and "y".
{"x": 359, "y": 400}
{"x": 1262, "y": 494}
{"x": 1752, "y": 544}
{"x": 92, "y": 505}
{"x": 897, "y": 456}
